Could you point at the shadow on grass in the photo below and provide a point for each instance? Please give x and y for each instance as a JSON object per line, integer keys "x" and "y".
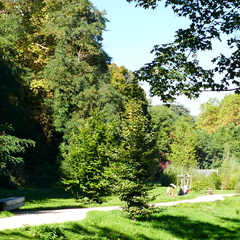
{"x": 15, "y": 235}
{"x": 233, "y": 220}
{"x": 41, "y": 197}
{"x": 48, "y": 199}
{"x": 36, "y": 194}
{"x": 185, "y": 228}
{"x": 104, "y": 233}
{"x": 36, "y": 209}
{"x": 180, "y": 227}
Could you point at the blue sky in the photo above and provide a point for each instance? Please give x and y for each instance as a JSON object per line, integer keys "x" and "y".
{"x": 132, "y": 32}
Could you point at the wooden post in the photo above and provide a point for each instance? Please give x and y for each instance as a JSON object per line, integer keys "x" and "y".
{"x": 186, "y": 180}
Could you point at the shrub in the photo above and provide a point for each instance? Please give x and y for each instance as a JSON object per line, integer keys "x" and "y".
{"x": 230, "y": 174}
{"x": 136, "y": 199}
{"x": 165, "y": 179}
{"x": 237, "y": 188}
{"x": 145, "y": 211}
{"x": 200, "y": 182}
{"x": 50, "y": 232}
{"x": 215, "y": 180}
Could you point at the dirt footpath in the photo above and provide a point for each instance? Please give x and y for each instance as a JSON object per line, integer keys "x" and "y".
{"x": 33, "y": 218}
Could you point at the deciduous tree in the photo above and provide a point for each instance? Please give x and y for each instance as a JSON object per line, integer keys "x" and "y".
{"x": 176, "y": 69}
{"x": 86, "y": 155}
{"x": 183, "y": 145}
{"x": 215, "y": 114}
{"x": 73, "y": 75}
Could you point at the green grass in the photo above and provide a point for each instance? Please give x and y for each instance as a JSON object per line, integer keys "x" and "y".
{"x": 54, "y": 198}
{"x": 214, "y": 220}
{"x": 162, "y": 197}
{"x": 4, "y": 214}
{"x": 58, "y": 198}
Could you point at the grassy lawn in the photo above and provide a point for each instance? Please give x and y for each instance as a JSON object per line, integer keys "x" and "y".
{"x": 58, "y": 198}
{"x": 213, "y": 220}
{"x": 54, "y": 198}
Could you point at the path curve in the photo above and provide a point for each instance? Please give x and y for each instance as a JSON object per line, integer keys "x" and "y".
{"x": 34, "y": 218}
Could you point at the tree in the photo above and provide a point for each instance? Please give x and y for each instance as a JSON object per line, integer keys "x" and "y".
{"x": 230, "y": 105}
{"x": 113, "y": 148}
{"x": 183, "y": 145}
{"x": 208, "y": 117}
{"x": 165, "y": 120}
{"x": 125, "y": 83}
{"x": 11, "y": 148}
{"x": 134, "y": 161}
{"x": 162, "y": 118}
{"x": 175, "y": 69}
{"x": 33, "y": 46}
{"x": 52, "y": 69}
{"x": 76, "y": 69}
{"x": 180, "y": 110}
{"x": 215, "y": 114}
{"x": 218, "y": 125}
{"x": 19, "y": 104}
{"x": 87, "y": 158}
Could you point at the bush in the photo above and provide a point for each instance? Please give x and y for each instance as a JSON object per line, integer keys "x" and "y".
{"x": 201, "y": 181}
{"x": 146, "y": 211}
{"x": 165, "y": 179}
{"x": 50, "y": 233}
{"x": 215, "y": 179}
{"x": 237, "y": 188}
{"x": 230, "y": 174}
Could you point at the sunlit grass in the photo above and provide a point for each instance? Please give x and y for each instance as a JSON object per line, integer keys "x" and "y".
{"x": 213, "y": 220}
{"x": 58, "y": 198}
{"x": 4, "y": 214}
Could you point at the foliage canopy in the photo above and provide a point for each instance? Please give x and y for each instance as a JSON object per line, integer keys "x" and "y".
{"x": 176, "y": 69}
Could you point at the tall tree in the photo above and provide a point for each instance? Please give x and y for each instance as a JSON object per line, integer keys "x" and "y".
{"x": 134, "y": 161}
{"x": 73, "y": 73}
{"x": 176, "y": 69}
{"x": 218, "y": 125}
{"x": 229, "y": 112}
{"x": 163, "y": 118}
{"x": 213, "y": 113}
{"x": 18, "y": 103}
{"x": 11, "y": 161}
{"x": 183, "y": 146}
{"x": 87, "y": 158}
{"x": 52, "y": 53}
{"x": 126, "y": 84}
{"x": 208, "y": 116}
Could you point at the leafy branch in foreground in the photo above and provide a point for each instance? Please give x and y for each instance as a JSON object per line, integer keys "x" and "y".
{"x": 176, "y": 69}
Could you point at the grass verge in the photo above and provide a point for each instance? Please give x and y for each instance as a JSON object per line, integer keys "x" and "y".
{"x": 58, "y": 198}
{"x": 213, "y": 220}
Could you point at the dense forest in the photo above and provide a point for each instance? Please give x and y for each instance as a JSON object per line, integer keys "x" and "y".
{"x": 68, "y": 115}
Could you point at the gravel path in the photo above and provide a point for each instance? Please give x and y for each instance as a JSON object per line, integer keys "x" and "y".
{"x": 33, "y": 218}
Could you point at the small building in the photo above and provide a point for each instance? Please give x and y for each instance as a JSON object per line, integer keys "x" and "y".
{"x": 207, "y": 172}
